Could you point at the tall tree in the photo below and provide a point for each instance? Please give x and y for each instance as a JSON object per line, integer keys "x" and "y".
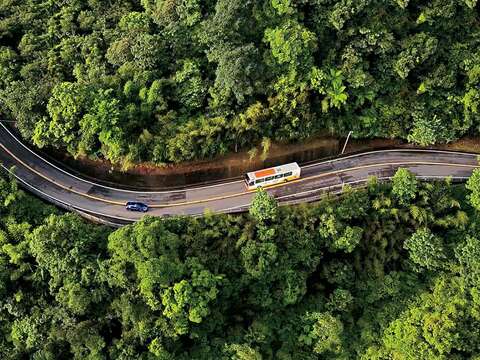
{"x": 404, "y": 186}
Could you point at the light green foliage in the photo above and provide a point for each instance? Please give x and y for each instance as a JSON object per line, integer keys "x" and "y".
{"x": 8, "y": 65}
{"x": 197, "y": 136}
{"x": 425, "y": 131}
{"x": 242, "y": 352}
{"x": 102, "y": 123}
{"x": 70, "y": 264}
{"x": 336, "y": 94}
{"x": 404, "y": 186}
{"x": 292, "y": 44}
{"x": 25, "y": 332}
{"x": 473, "y": 184}
{"x": 434, "y": 326}
{"x": 353, "y": 276}
{"x": 425, "y": 249}
{"x": 65, "y": 109}
{"x": 390, "y": 69}
{"x": 157, "y": 349}
{"x": 349, "y": 240}
{"x": 264, "y": 207}
{"x": 323, "y": 334}
{"x": 81, "y": 120}
{"x": 471, "y": 3}
{"x": 331, "y": 86}
{"x": 402, "y": 3}
{"x": 344, "y": 10}
{"x": 154, "y": 253}
{"x": 283, "y": 7}
{"x": 134, "y": 22}
{"x": 417, "y": 49}
{"x": 471, "y": 102}
{"x": 467, "y": 254}
{"x": 189, "y": 300}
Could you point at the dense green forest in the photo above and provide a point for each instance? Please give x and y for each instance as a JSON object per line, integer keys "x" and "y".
{"x": 390, "y": 272}
{"x": 175, "y": 80}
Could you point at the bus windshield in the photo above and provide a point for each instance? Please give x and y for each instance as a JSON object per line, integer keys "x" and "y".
{"x": 248, "y": 181}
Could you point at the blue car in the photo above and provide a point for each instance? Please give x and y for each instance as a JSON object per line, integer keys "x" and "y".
{"x": 136, "y": 206}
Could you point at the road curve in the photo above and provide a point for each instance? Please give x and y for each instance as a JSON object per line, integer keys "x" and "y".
{"x": 106, "y": 203}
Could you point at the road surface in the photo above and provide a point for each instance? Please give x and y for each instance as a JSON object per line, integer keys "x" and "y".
{"x": 106, "y": 203}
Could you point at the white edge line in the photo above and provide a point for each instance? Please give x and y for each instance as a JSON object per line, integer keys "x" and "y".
{"x": 88, "y": 212}
{"x": 100, "y": 185}
{"x": 348, "y": 183}
{"x": 222, "y": 184}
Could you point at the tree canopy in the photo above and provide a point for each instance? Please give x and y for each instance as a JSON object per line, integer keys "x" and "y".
{"x": 175, "y": 80}
{"x": 366, "y": 275}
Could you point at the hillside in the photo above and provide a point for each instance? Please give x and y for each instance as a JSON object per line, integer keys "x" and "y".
{"x": 389, "y": 272}
{"x": 175, "y": 80}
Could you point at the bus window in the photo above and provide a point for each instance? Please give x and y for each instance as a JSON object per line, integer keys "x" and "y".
{"x": 272, "y": 176}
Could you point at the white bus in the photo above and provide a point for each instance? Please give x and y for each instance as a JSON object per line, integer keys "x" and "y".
{"x": 272, "y": 176}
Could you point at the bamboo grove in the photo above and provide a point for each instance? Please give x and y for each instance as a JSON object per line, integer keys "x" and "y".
{"x": 387, "y": 272}
{"x": 174, "y": 80}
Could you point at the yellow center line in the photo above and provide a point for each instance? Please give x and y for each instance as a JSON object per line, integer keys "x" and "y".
{"x": 333, "y": 172}
{"x": 70, "y": 189}
{"x": 361, "y": 167}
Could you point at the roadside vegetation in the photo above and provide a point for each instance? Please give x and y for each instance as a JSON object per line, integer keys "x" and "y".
{"x": 391, "y": 271}
{"x": 175, "y": 80}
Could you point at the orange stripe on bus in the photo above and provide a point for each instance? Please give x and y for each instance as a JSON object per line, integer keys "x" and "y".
{"x": 263, "y": 173}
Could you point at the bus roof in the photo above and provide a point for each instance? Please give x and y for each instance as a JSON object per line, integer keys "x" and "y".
{"x": 265, "y": 172}
{"x": 274, "y": 170}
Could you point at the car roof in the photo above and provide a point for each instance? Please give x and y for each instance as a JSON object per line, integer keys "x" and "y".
{"x": 136, "y": 203}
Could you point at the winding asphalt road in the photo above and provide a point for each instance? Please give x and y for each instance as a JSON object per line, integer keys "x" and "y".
{"x": 106, "y": 204}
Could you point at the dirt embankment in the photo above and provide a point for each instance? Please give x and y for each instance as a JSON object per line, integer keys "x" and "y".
{"x": 143, "y": 176}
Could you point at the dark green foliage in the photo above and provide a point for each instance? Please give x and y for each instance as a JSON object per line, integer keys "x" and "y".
{"x": 175, "y": 80}
{"x": 368, "y": 275}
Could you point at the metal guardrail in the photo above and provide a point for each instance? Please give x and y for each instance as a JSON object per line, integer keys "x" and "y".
{"x": 61, "y": 204}
{"x": 336, "y": 190}
{"x": 306, "y": 196}
{"x": 112, "y": 185}
{"x": 116, "y": 222}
